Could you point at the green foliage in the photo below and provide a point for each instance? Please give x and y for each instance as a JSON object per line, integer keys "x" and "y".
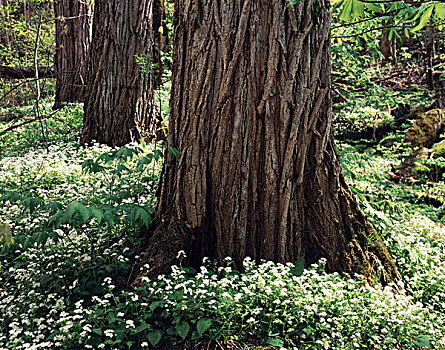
{"x": 111, "y": 207}
{"x": 18, "y": 28}
{"x": 403, "y": 13}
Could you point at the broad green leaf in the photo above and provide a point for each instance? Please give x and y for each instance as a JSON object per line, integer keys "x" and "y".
{"x": 373, "y": 7}
{"x": 43, "y": 237}
{"x": 145, "y": 216}
{"x": 345, "y": 13}
{"x": 440, "y": 11}
{"x": 299, "y": 267}
{"x": 358, "y": 8}
{"x": 142, "y": 327}
{"x": 203, "y": 325}
{"x": 275, "y": 342}
{"x": 97, "y": 214}
{"x": 424, "y": 341}
{"x": 182, "y": 329}
{"x": 424, "y": 18}
{"x": 109, "y": 218}
{"x": 154, "y": 305}
{"x": 5, "y": 234}
{"x": 111, "y": 317}
{"x": 154, "y": 337}
{"x": 76, "y": 209}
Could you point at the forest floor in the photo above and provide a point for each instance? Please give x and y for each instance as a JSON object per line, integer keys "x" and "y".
{"x": 70, "y": 218}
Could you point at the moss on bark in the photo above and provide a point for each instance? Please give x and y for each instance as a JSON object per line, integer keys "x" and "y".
{"x": 439, "y": 150}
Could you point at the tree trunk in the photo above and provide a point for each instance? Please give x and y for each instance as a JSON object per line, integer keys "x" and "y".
{"x": 430, "y": 53}
{"x": 158, "y": 9}
{"x": 11, "y": 73}
{"x": 258, "y": 173}
{"x": 388, "y": 47}
{"x": 120, "y": 103}
{"x": 165, "y": 37}
{"x": 74, "y": 19}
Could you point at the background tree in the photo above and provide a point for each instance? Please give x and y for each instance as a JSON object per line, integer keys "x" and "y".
{"x": 258, "y": 174}
{"x": 120, "y": 106}
{"x": 74, "y": 29}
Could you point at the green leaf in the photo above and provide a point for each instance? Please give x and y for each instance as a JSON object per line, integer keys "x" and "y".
{"x": 111, "y": 318}
{"x": 145, "y": 216}
{"x": 203, "y": 325}
{"x": 154, "y": 337}
{"x": 391, "y": 34}
{"x": 27, "y": 243}
{"x": 42, "y": 237}
{"x": 424, "y": 341}
{"x": 373, "y": 7}
{"x": 76, "y": 210}
{"x": 358, "y": 8}
{"x": 424, "y": 18}
{"x": 440, "y": 10}
{"x": 345, "y": 13}
{"x": 293, "y": 2}
{"x": 95, "y": 212}
{"x": 5, "y": 234}
{"x": 109, "y": 218}
{"x": 275, "y": 342}
{"x": 154, "y": 305}
{"x": 182, "y": 329}
{"x": 299, "y": 267}
{"x": 142, "y": 328}
{"x": 45, "y": 279}
{"x": 174, "y": 151}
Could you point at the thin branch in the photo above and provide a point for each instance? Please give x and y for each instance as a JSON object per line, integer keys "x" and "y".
{"x": 36, "y": 106}
{"x": 377, "y": 28}
{"x": 29, "y": 121}
{"x": 379, "y": 15}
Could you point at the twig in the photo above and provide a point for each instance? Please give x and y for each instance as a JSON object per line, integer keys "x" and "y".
{"x": 37, "y": 118}
{"x": 15, "y": 88}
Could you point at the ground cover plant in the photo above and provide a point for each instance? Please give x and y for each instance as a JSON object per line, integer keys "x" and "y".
{"x": 65, "y": 281}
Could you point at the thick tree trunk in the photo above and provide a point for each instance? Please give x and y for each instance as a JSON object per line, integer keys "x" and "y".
{"x": 258, "y": 174}
{"x": 74, "y": 23}
{"x": 120, "y": 103}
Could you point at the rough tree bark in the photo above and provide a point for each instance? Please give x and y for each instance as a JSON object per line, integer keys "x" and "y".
{"x": 258, "y": 173}
{"x": 120, "y": 104}
{"x": 74, "y": 23}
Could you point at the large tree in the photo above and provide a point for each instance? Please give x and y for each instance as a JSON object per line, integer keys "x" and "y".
{"x": 74, "y": 23}
{"x": 120, "y": 106}
{"x": 258, "y": 173}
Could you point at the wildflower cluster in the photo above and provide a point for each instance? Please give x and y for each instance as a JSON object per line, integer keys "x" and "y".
{"x": 72, "y": 290}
